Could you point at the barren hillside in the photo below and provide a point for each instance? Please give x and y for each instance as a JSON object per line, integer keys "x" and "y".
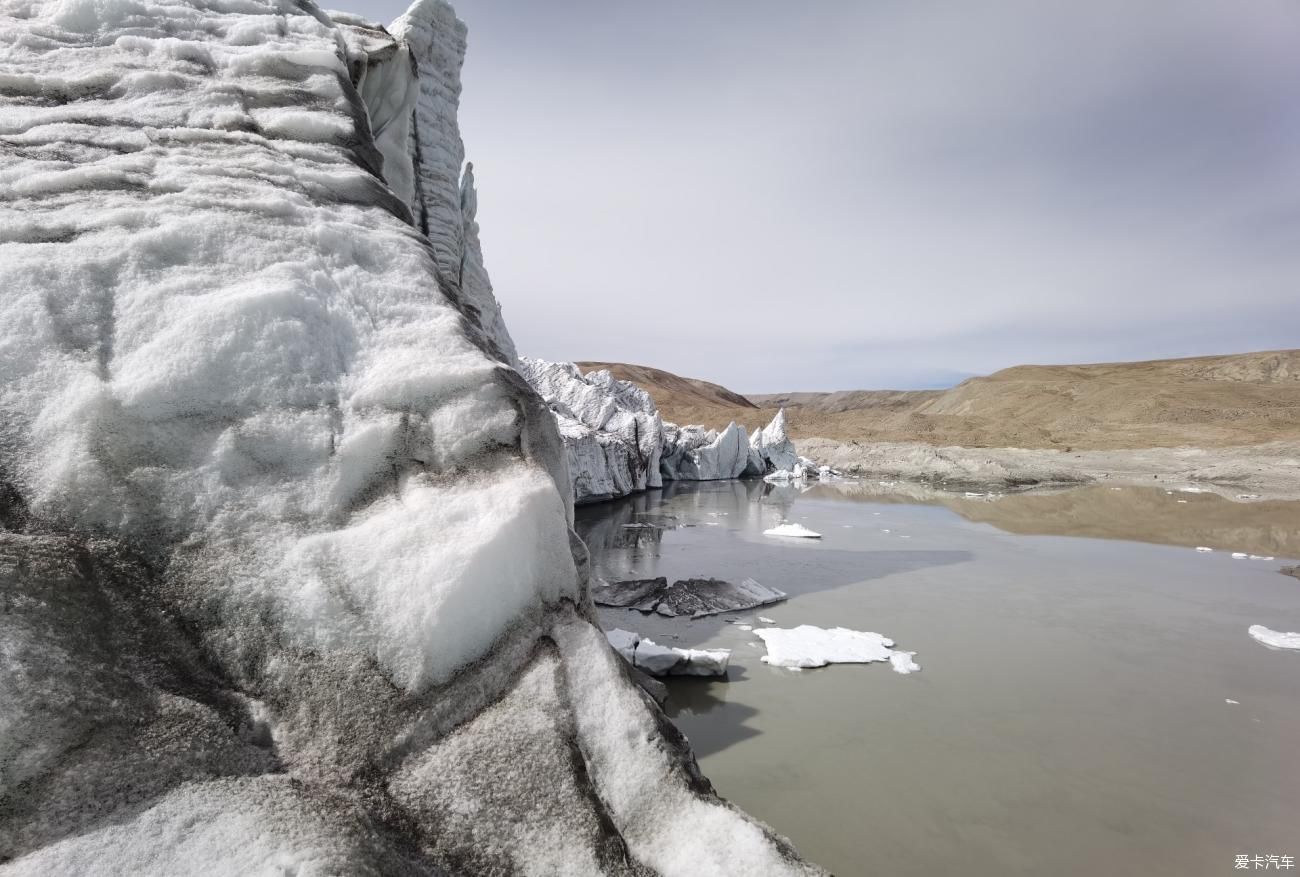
{"x": 672, "y": 391}
{"x": 1209, "y": 401}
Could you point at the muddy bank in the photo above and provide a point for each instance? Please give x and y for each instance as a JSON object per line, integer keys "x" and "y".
{"x": 1268, "y": 471}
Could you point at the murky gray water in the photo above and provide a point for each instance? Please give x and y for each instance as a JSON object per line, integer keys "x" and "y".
{"x": 1070, "y": 717}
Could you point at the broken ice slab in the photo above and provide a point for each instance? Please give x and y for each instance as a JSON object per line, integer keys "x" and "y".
{"x": 694, "y": 597}
{"x": 809, "y": 646}
{"x": 650, "y": 657}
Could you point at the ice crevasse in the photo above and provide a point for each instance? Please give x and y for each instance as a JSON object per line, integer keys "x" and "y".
{"x": 285, "y": 556}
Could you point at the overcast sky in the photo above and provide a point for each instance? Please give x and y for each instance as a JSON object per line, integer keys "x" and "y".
{"x": 885, "y": 193}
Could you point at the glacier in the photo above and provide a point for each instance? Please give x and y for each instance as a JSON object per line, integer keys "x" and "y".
{"x": 617, "y": 443}
{"x": 613, "y": 436}
{"x": 286, "y": 558}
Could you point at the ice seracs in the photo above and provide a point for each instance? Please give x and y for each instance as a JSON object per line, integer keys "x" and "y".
{"x": 809, "y": 646}
{"x": 612, "y": 434}
{"x": 693, "y": 453}
{"x": 617, "y": 443}
{"x": 285, "y": 546}
{"x": 773, "y": 446}
{"x": 1275, "y": 639}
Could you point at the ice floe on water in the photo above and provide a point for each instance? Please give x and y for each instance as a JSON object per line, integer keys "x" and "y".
{"x": 650, "y": 657}
{"x": 1272, "y": 638}
{"x": 1203, "y": 548}
{"x": 797, "y": 531}
{"x": 694, "y": 597}
{"x": 809, "y": 646}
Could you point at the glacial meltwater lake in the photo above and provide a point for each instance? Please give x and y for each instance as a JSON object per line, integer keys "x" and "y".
{"x": 1089, "y": 701}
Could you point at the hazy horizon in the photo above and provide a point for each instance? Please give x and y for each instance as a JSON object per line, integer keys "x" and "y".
{"x": 845, "y": 195}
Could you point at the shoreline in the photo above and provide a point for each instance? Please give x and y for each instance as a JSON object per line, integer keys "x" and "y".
{"x": 1241, "y": 474}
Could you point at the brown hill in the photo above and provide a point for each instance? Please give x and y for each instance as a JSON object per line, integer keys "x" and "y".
{"x": 1207, "y": 401}
{"x": 670, "y": 390}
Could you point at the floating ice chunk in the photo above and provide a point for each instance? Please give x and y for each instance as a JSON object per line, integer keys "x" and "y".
{"x": 1248, "y": 496}
{"x": 1203, "y": 548}
{"x": 1182, "y": 501}
{"x": 780, "y": 475}
{"x": 969, "y": 493}
{"x": 1259, "y": 557}
{"x": 657, "y": 660}
{"x": 1274, "y": 639}
{"x": 624, "y": 642}
{"x": 766, "y": 620}
{"x": 1231, "y": 701}
{"x": 1239, "y": 555}
{"x": 1193, "y": 490}
{"x": 902, "y": 662}
{"x": 694, "y": 597}
{"x": 746, "y": 627}
{"x": 798, "y": 531}
{"x": 809, "y": 646}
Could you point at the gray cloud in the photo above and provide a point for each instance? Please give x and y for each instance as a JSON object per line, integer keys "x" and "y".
{"x": 854, "y": 194}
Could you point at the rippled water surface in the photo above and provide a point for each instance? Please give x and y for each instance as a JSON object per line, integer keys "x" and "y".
{"x": 1071, "y": 717}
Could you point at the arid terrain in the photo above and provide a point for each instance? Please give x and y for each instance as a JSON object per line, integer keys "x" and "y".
{"x": 1230, "y": 422}
{"x": 1204, "y": 402}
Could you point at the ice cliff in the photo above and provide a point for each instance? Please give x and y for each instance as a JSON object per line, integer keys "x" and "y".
{"x": 616, "y": 442}
{"x": 612, "y": 434}
{"x": 286, "y": 571}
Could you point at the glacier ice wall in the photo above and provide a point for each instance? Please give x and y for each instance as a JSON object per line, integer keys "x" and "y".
{"x": 617, "y": 443}
{"x": 285, "y": 558}
{"x": 612, "y": 434}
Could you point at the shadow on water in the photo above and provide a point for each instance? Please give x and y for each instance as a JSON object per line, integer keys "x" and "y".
{"x": 727, "y": 724}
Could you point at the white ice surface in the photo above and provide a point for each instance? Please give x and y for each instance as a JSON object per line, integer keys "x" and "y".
{"x": 1274, "y": 638}
{"x": 666, "y": 826}
{"x": 809, "y": 646}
